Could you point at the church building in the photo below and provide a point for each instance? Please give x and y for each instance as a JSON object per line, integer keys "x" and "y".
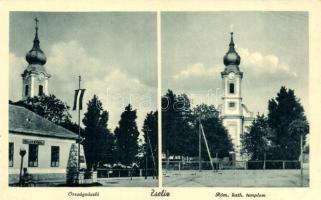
{"x": 235, "y": 115}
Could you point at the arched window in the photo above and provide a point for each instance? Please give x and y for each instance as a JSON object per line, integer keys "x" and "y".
{"x": 40, "y": 90}
{"x": 232, "y": 89}
{"x": 26, "y": 90}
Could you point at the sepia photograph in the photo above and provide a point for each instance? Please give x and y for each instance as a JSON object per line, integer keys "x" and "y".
{"x": 235, "y": 99}
{"x": 172, "y": 100}
{"x": 83, "y": 99}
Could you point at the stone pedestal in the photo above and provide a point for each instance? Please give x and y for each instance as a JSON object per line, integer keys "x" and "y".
{"x": 75, "y": 178}
{"x": 94, "y": 176}
{"x": 72, "y": 165}
{"x": 80, "y": 176}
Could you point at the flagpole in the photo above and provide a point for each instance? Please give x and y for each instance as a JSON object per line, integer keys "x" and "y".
{"x": 79, "y": 130}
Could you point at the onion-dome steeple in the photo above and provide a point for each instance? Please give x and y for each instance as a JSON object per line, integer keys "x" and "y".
{"x": 232, "y": 57}
{"x": 36, "y": 55}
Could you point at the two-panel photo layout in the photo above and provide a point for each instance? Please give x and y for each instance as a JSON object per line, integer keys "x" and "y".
{"x": 222, "y": 102}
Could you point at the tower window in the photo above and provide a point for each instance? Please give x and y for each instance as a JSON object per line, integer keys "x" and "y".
{"x": 232, "y": 89}
{"x": 231, "y": 104}
{"x": 26, "y": 90}
{"x": 40, "y": 90}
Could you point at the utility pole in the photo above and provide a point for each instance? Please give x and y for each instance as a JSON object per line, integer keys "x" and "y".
{"x": 208, "y": 150}
{"x": 264, "y": 163}
{"x": 301, "y": 162}
{"x": 167, "y": 160}
{"x": 146, "y": 159}
{"x": 151, "y": 151}
{"x": 79, "y": 130}
{"x": 199, "y": 146}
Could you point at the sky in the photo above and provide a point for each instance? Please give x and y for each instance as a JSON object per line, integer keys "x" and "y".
{"x": 114, "y": 52}
{"x": 116, "y": 55}
{"x": 273, "y": 47}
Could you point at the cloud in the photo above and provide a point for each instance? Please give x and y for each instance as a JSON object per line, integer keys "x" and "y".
{"x": 72, "y": 58}
{"x": 259, "y": 63}
{"x": 116, "y": 90}
{"x": 253, "y": 63}
{"x": 197, "y": 70}
{"x": 17, "y": 65}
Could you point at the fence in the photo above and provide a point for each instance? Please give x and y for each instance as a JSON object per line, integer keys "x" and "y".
{"x": 114, "y": 173}
{"x": 223, "y": 165}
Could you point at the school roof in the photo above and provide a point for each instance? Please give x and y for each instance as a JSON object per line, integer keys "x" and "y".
{"x": 24, "y": 121}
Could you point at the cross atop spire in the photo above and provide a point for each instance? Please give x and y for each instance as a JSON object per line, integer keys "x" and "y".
{"x": 232, "y": 41}
{"x": 36, "y": 40}
{"x": 36, "y": 20}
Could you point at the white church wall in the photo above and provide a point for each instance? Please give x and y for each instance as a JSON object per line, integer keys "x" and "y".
{"x": 234, "y": 127}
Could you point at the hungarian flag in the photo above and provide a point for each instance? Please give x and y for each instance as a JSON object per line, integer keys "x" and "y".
{"x": 79, "y": 94}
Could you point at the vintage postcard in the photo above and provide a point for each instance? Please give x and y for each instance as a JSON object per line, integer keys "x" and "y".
{"x": 160, "y": 99}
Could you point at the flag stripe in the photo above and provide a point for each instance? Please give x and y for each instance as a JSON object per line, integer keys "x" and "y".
{"x": 80, "y": 98}
{"x": 75, "y": 99}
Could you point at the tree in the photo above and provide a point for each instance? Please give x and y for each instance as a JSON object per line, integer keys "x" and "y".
{"x": 256, "y": 141}
{"x": 99, "y": 141}
{"x": 176, "y": 123}
{"x": 150, "y": 133}
{"x": 297, "y": 128}
{"x": 73, "y": 127}
{"x": 284, "y": 110}
{"x": 168, "y": 123}
{"x": 48, "y": 107}
{"x": 217, "y": 136}
{"x": 127, "y": 137}
{"x": 184, "y": 124}
{"x": 180, "y": 128}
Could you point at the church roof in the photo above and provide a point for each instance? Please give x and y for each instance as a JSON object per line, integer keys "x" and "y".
{"x": 35, "y": 68}
{"x": 231, "y": 57}
{"x": 247, "y": 113}
{"x": 24, "y": 121}
{"x": 36, "y": 55}
{"x": 232, "y": 60}
{"x": 232, "y": 68}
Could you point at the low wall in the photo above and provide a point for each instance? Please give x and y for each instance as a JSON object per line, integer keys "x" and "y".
{"x": 40, "y": 178}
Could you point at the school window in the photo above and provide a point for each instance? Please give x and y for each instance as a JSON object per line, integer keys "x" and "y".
{"x": 26, "y": 90}
{"x": 232, "y": 89}
{"x": 11, "y": 152}
{"x": 54, "y": 156}
{"x": 33, "y": 155}
{"x": 40, "y": 90}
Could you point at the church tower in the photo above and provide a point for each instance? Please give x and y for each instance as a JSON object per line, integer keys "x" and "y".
{"x": 232, "y": 107}
{"x": 35, "y": 78}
